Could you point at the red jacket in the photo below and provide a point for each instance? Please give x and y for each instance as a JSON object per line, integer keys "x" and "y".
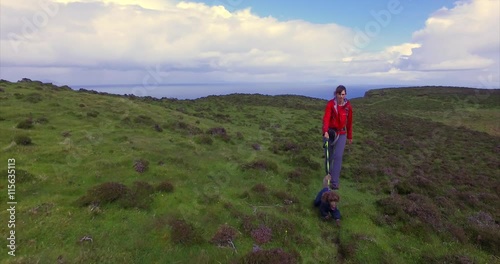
{"x": 338, "y": 119}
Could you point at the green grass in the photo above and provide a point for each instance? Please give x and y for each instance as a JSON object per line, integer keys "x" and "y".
{"x": 410, "y": 193}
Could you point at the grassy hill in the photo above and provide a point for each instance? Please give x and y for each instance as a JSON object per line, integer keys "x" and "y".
{"x": 102, "y": 178}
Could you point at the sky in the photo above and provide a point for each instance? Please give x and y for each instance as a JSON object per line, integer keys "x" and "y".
{"x": 162, "y": 47}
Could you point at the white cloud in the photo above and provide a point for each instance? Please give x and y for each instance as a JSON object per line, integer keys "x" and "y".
{"x": 112, "y": 41}
{"x": 148, "y": 4}
{"x": 181, "y": 37}
{"x": 465, "y": 38}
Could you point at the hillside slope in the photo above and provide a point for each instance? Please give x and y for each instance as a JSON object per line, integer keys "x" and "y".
{"x": 104, "y": 178}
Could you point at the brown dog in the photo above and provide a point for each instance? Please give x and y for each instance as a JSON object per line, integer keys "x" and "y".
{"x": 328, "y": 207}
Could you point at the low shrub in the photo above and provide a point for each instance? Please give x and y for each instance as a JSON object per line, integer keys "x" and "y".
{"x": 259, "y": 188}
{"x": 456, "y": 233}
{"x": 126, "y": 121}
{"x": 92, "y": 113}
{"x": 281, "y": 226}
{"x": 423, "y": 208}
{"x": 142, "y": 188}
{"x": 222, "y": 118}
{"x": 219, "y": 132}
{"x": 215, "y": 131}
{"x": 276, "y": 255}
{"x": 104, "y": 193}
{"x": 262, "y": 234}
{"x": 299, "y": 175}
{"x": 184, "y": 127}
{"x": 256, "y": 146}
{"x": 158, "y": 128}
{"x": 224, "y": 236}
{"x": 347, "y": 248}
{"x": 183, "y": 233}
{"x": 305, "y": 162}
{"x": 204, "y": 139}
{"x": 482, "y": 219}
{"x": 141, "y": 165}
{"x": 42, "y": 120}
{"x": 265, "y": 165}
{"x": 392, "y": 210}
{"x": 25, "y": 124}
{"x": 488, "y": 238}
{"x": 145, "y": 120}
{"x": 165, "y": 186}
{"x": 22, "y": 140}
{"x": 287, "y": 146}
{"x": 418, "y": 229}
{"x": 33, "y": 98}
{"x": 41, "y": 209}
{"x": 139, "y": 196}
{"x": 248, "y": 222}
{"x": 404, "y": 187}
{"x": 449, "y": 258}
{"x": 285, "y": 197}
{"x": 24, "y": 176}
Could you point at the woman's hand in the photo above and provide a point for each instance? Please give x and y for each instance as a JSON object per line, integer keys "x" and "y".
{"x": 326, "y": 135}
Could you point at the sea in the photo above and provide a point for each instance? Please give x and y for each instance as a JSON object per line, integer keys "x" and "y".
{"x": 198, "y": 90}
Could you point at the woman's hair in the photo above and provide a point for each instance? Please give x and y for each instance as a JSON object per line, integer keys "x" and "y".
{"x": 330, "y": 196}
{"x": 340, "y": 89}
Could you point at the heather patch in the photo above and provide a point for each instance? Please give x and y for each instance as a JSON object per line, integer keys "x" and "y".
{"x": 141, "y": 165}
{"x": 224, "y": 236}
{"x": 184, "y": 233}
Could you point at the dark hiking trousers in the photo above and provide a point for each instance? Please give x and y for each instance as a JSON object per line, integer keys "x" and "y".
{"x": 335, "y": 154}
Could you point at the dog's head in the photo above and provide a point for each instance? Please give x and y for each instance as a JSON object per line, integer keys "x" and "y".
{"x": 330, "y": 196}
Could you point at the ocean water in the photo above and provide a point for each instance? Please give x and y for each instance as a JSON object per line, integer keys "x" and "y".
{"x": 194, "y": 91}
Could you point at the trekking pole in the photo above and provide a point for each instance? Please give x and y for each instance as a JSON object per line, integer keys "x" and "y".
{"x": 327, "y": 160}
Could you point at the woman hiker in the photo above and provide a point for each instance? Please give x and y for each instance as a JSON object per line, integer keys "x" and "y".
{"x": 337, "y": 129}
